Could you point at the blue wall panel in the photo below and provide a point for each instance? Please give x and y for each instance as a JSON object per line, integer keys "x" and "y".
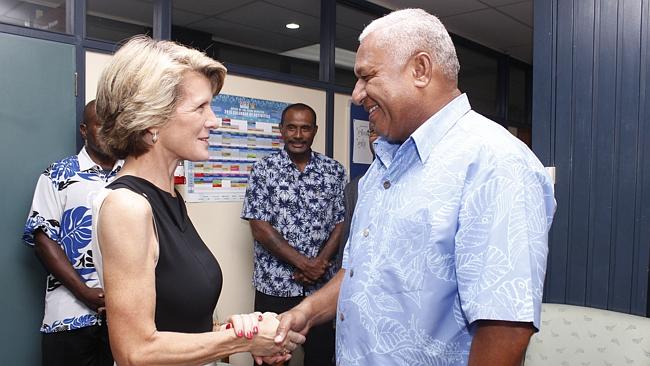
{"x": 543, "y": 90}
{"x": 602, "y": 163}
{"x": 626, "y": 133}
{"x": 559, "y": 248}
{"x": 580, "y": 175}
{"x": 642, "y": 229}
{"x": 589, "y": 115}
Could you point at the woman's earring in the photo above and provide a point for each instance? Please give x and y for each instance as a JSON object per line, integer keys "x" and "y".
{"x": 154, "y": 138}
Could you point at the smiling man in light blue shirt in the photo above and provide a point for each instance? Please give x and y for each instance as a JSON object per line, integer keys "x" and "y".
{"x": 447, "y": 252}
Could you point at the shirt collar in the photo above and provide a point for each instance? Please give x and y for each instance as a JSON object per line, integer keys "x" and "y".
{"x": 287, "y": 162}
{"x": 85, "y": 162}
{"x": 384, "y": 151}
{"x": 427, "y": 136}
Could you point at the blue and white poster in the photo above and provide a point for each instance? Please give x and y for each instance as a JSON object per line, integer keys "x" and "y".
{"x": 248, "y": 130}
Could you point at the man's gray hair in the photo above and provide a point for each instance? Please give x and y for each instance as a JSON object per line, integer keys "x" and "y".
{"x": 408, "y": 31}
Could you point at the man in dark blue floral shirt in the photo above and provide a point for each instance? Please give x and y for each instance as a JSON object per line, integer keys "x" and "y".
{"x": 294, "y": 204}
{"x": 59, "y": 228}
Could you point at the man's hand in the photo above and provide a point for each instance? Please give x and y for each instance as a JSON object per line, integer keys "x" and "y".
{"x": 301, "y": 278}
{"x": 93, "y": 298}
{"x": 314, "y": 268}
{"x": 294, "y": 320}
{"x": 57, "y": 263}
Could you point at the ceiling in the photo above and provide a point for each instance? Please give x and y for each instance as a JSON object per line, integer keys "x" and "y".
{"x": 503, "y": 25}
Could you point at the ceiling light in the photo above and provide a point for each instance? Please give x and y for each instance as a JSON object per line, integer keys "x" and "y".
{"x": 292, "y": 25}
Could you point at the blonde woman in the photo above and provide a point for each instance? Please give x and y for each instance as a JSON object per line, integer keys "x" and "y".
{"x": 161, "y": 282}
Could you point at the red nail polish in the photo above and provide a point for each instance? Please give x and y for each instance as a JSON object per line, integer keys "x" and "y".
{"x": 255, "y": 330}
{"x": 240, "y": 333}
{"x": 260, "y": 317}
{"x": 228, "y": 326}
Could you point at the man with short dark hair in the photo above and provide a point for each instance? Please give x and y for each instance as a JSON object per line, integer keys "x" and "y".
{"x": 294, "y": 204}
{"x": 59, "y": 228}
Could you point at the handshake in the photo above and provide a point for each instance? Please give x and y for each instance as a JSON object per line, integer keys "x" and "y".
{"x": 266, "y": 342}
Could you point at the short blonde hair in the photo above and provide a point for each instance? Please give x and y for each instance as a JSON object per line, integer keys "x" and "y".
{"x": 140, "y": 89}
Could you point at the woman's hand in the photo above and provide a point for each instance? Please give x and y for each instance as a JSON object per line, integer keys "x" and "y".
{"x": 219, "y": 327}
{"x": 244, "y": 325}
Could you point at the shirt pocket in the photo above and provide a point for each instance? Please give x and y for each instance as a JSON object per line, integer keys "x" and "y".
{"x": 400, "y": 240}
{"x": 395, "y": 279}
{"x": 322, "y": 203}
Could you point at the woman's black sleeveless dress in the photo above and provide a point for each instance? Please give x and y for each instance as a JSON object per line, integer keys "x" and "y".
{"x": 188, "y": 277}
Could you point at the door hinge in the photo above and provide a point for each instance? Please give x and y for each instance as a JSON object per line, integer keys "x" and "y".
{"x": 76, "y": 84}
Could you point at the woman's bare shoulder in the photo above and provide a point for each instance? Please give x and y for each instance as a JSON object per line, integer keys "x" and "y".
{"x": 126, "y": 204}
{"x": 125, "y": 223}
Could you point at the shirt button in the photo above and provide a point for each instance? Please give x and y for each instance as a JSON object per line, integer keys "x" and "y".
{"x": 366, "y": 232}
{"x": 386, "y": 184}
{"x": 351, "y": 272}
{"x": 341, "y": 317}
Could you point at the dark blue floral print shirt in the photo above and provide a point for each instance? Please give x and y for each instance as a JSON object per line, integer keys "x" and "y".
{"x": 302, "y": 206}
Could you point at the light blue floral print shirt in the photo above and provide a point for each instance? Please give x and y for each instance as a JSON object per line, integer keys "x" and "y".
{"x": 450, "y": 227}
{"x": 61, "y": 208}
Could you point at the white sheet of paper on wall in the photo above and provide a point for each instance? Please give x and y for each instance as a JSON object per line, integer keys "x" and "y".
{"x": 360, "y": 147}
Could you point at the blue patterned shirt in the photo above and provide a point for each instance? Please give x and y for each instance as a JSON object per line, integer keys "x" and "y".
{"x": 450, "y": 227}
{"x": 303, "y": 207}
{"x": 61, "y": 208}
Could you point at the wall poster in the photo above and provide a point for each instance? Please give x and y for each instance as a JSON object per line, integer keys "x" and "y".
{"x": 248, "y": 131}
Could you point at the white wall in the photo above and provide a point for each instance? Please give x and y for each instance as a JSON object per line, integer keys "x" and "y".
{"x": 95, "y": 64}
{"x": 342, "y": 130}
{"x": 219, "y": 224}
